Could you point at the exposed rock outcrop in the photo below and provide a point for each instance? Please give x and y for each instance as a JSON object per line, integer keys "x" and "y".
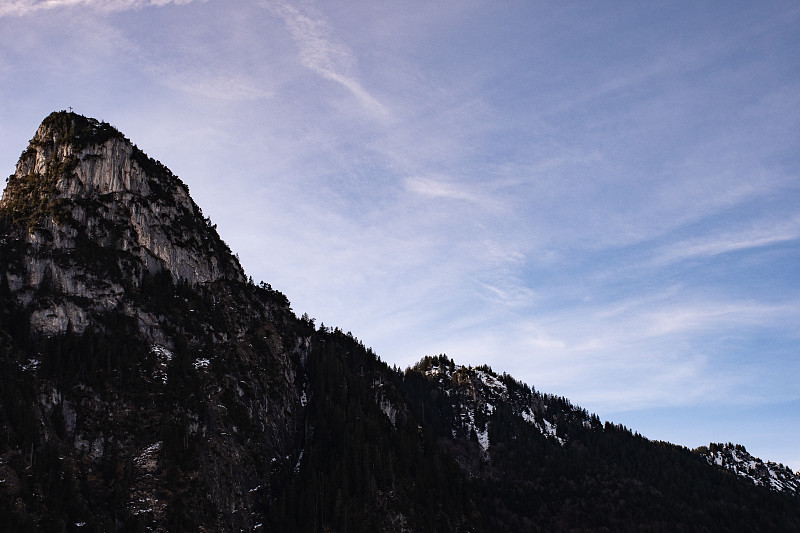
{"x": 99, "y": 216}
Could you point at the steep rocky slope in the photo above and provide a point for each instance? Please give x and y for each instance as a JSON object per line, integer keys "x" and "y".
{"x": 135, "y": 355}
{"x": 99, "y": 215}
{"x": 146, "y": 385}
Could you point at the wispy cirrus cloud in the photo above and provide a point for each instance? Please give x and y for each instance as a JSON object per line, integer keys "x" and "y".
{"x": 215, "y": 85}
{"x": 642, "y": 352}
{"x": 727, "y": 242}
{"x": 438, "y": 188}
{"x": 21, "y": 8}
{"x": 323, "y": 54}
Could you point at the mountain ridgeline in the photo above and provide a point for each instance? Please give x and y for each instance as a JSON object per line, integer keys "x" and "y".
{"x": 147, "y": 385}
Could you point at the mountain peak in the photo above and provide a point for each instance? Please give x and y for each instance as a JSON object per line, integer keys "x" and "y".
{"x": 75, "y": 157}
{"x": 92, "y": 214}
{"x": 75, "y": 129}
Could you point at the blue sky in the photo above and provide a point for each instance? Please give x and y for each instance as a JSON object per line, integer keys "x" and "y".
{"x": 601, "y": 199}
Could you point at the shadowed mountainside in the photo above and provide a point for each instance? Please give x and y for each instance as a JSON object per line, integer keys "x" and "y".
{"x": 148, "y": 386}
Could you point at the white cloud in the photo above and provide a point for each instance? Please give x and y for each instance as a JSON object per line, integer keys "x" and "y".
{"x": 438, "y": 188}
{"x": 321, "y": 53}
{"x": 21, "y": 8}
{"x": 510, "y": 294}
{"x": 728, "y": 242}
{"x": 215, "y": 85}
{"x": 689, "y": 317}
{"x": 666, "y": 350}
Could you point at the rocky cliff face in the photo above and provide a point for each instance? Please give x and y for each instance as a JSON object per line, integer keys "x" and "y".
{"x": 99, "y": 215}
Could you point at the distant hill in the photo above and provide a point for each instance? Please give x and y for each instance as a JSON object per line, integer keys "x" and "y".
{"x": 148, "y": 385}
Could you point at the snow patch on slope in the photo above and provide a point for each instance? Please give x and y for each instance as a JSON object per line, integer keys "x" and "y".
{"x": 163, "y": 357}
{"x": 738, "y": 460}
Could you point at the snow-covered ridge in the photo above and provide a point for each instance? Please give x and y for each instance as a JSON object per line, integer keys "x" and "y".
{"x": 736, "y": 459}
{"x": 476, "y": 393}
